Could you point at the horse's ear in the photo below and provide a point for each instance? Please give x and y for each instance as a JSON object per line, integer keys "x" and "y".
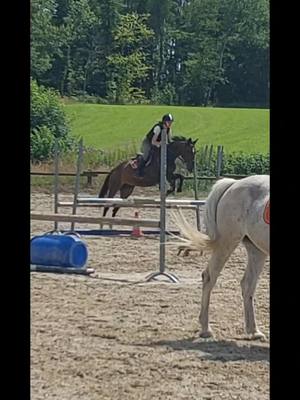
{"x": 195, "y": 141}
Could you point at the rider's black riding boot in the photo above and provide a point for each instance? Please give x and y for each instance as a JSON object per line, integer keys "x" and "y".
{"x": 141, "y": 168}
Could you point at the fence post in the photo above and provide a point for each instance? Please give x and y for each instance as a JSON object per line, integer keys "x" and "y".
{"x": 77, "y": 182}
{"x": 204, "y": 159}
{"x": 210, "y": 157}
{"x": 196, "y": 194}
{"x": 219, "y": 161}
{"x": 89, "y": 178}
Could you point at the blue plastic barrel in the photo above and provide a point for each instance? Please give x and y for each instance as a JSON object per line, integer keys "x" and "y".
{"x": 58, "y": 250}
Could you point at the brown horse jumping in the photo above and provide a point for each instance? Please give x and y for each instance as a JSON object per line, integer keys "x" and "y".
{"x": 124, "y": 177}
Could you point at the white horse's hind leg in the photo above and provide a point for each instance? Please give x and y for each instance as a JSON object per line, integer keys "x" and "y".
{"x": 209, "y": 277}
{"x": 256, "y": 261}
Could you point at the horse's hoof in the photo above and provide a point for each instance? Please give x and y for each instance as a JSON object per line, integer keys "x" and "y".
{"x": 206, "y": 334}
{"x": 258, "y": 336}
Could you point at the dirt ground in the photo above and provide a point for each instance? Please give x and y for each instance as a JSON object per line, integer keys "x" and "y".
{"x": 115, "y": 336}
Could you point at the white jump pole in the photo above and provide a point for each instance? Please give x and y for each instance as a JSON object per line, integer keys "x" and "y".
{"x": 162, "y": 246}
{"x": 135, "y": 202}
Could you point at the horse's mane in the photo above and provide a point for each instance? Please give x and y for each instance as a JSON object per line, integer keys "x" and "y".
{"x": 178, "y": 138}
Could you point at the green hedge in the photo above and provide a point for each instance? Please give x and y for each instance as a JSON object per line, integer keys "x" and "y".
{"x": 246, "y": 164}
{"x": 237, "y": 163}
{"x": 48, "y": 121}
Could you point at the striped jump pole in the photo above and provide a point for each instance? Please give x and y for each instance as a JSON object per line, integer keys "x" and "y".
{"x": 135, "y": 202}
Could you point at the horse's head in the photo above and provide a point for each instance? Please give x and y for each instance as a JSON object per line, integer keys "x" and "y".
{"x": 185, "y": 149}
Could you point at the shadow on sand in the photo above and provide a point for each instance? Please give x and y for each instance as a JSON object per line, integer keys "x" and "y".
{"x": 223, "y": 351}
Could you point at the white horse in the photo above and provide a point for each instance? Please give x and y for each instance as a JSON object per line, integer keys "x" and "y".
{"x": 235, "y": 211}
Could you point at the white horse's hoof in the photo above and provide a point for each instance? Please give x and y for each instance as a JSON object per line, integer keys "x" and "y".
{"x": 206, "y": 334}
{"x": 258, "y": 336}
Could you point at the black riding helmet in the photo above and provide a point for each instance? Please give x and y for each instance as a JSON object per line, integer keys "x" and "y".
{"x": 167, "y": 117}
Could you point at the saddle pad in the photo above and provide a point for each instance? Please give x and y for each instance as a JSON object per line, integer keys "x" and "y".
{"x": 134, "y": 163}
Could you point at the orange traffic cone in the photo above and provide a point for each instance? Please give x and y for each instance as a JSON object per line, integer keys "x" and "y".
{"x": 136, "y": 230}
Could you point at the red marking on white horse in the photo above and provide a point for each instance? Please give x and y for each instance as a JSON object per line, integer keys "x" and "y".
{"x": 267, "y": 213}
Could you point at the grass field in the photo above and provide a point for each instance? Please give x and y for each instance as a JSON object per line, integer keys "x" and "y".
{"x": 111, "y": 126}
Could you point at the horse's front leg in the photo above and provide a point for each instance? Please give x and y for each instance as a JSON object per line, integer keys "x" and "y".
{"x": 180, "y": 178}
{"x": 171, "y": 180}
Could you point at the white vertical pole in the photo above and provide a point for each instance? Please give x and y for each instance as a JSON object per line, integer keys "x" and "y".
{"x": 163, "y": 172}
{"x": 56, "y": 153}
{"x": 162, "y": 239}
{"x": 196, "y": 194}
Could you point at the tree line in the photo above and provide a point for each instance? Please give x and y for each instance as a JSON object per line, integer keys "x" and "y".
{"x": 177, "y": 52}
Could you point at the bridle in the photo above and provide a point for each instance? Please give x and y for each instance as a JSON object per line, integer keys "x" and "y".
{"x": 180, "y": 157}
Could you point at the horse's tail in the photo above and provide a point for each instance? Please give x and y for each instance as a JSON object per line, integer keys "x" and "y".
{"x": 194, "y": 239}
{"x": 217, "y": 191}
{"x": 104, "y": 188}
{"x": 190, "y": 236}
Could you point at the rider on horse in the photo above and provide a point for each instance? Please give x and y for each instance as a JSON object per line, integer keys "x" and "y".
{"x": 153, "y": 139}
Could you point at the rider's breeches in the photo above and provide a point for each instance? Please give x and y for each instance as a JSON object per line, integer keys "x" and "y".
{"x": 145, "y": 149}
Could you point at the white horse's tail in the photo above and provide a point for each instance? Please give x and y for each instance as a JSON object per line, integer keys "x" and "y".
{"x": 211, "y": 205}
{"x": 191, "y": 237}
